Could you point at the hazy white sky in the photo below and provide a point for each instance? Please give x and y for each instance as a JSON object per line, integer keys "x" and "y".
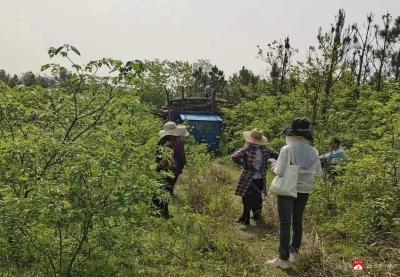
{"x": 226, "y": 32}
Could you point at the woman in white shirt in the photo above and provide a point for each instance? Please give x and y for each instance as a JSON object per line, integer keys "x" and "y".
{"x": 290, "y": 209}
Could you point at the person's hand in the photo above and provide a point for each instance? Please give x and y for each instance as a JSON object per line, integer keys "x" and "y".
{"x": 264, "y": 196}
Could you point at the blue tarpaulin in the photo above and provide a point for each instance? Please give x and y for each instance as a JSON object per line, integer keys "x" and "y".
{"x": 200, "y": 117}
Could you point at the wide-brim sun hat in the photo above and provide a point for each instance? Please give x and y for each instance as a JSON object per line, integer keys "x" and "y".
{"x": 301, "y": 128}
{"x": 171, "y": 129}
{"x": 255, "y": 136}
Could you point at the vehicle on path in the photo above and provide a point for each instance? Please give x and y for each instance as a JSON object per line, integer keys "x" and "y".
{"x": 202, "y": 115}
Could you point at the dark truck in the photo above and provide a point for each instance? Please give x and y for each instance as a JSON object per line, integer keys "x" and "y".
{"x": 202, "y": 116}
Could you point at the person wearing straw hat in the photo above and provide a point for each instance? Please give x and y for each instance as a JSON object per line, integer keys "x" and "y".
{"x": 171, "y": 159}
{"x": 291, "y": 209}
{"x": 253, "y": 157}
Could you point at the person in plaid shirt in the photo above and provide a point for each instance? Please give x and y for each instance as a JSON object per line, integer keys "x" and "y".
{"x": 253, "y": 157}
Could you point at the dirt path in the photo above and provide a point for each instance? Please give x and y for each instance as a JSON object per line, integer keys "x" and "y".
{"x": 263, "y": 242}
{"x": 261, "y": 239}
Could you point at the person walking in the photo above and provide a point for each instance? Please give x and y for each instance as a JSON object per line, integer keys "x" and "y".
{"x": 291, "y": 209}
{"x": 253, "y": 157}
{"x": 171, "y": 159}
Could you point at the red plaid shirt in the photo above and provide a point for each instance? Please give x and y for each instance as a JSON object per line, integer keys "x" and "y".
{"x": 246, "y": 157}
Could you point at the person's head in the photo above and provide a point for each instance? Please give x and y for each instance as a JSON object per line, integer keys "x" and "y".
{"x": 181, "y": 139}
{"x": 300, "y": 127}
{"x": 334, "y": 143}
{"x": 168, "y": 138}
{"x": 173, "y": 130}
{"x": 255, "y": 136}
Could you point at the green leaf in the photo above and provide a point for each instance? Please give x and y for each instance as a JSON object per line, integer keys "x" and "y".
{"x": 44, "y": 67}
{"x": 75, "y": 50}
{"x": 77, "y": 67}
{"x": 58, "y": 50}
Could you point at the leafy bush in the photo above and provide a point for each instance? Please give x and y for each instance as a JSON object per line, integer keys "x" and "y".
{"x": 205, "y": 191}
{"x": 359, "y": 202}
{"x": 76, "y": 171}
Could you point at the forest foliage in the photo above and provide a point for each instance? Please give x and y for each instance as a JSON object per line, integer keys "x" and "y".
{"x": 77, "y": 155}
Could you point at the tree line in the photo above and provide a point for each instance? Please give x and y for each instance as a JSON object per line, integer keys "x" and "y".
{"x": 367, "y": 53}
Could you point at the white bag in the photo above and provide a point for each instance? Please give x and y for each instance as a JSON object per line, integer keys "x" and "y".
{"x": 287, "y": 184}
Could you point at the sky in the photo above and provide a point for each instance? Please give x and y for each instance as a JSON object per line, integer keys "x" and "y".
{"x": 225, "y": 32}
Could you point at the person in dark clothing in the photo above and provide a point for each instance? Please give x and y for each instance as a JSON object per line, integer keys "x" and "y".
{"x": 171, "y": 160}
{"x": 253, "y": 157}
{"x": 252, "y": 201}
{"x": 180, "y": 155}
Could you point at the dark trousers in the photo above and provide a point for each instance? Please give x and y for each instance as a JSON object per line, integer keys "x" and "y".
{"x": 290, "y": 212}
{"x": 252, "y": 201}
{"x": 162, "y": 205}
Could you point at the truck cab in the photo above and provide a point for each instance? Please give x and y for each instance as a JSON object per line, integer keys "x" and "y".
{"x": 205, "y": 129}
{"x": 202, "y": 116}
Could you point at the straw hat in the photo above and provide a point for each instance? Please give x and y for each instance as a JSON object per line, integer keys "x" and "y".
{"x": 255, "y": 136}
{"x": 171, "y": 129}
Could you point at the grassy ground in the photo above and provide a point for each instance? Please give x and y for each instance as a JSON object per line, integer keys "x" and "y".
{"x": 261, "y": 240}
{"x": 203, "y": 238}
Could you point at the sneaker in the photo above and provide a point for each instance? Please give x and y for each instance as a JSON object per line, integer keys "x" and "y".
{"x": 294, "y": 257}
{"x": 278, "y": 262}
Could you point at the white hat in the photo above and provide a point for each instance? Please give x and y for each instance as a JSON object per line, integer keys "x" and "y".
{"x": 255, "y": 136}
{"x": 171, "y": 129}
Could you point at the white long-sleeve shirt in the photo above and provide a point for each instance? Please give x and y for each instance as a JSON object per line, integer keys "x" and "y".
{"x": 306, "y": 157}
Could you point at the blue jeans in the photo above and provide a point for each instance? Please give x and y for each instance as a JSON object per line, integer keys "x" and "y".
{"x": 290, "y": 212}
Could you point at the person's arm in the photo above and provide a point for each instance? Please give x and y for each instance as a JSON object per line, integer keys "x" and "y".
{"x": 272, "y": 157}
{"x": 165, "y": 156}
{"x": 280, "y": 166}
{"x": 238, "y": 156}
{"x": 338, "y": 154}
{"x": 327, "y": 156}
{"x": 180, "y": 157}
{"x": 318, "y": 169}
{"x": 273, "y": 154}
